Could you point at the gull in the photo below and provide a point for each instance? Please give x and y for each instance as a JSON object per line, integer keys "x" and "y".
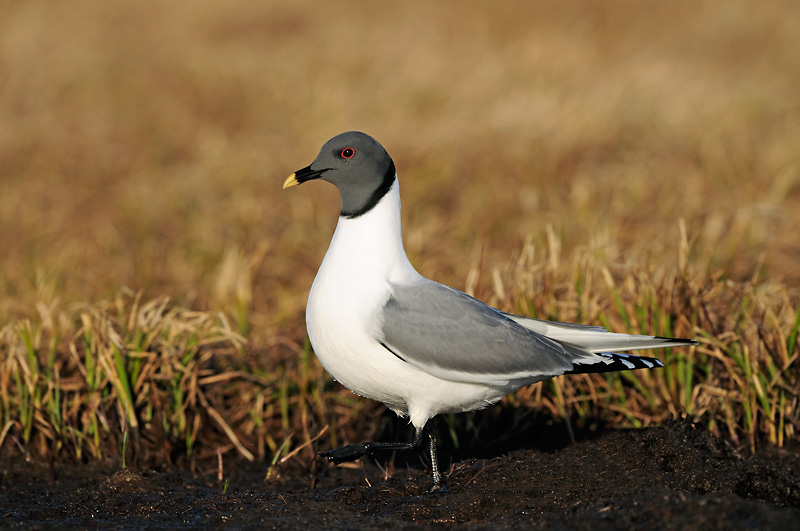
{"x": 422, "y": 348}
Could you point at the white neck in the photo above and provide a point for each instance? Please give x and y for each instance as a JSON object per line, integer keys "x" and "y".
{"x": 371, "y": 245}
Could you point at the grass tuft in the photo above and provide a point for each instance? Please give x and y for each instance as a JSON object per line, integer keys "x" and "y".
{"x": 169, "y": 383}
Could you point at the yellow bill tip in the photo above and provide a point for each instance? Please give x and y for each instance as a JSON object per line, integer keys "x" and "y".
{"x": 290, "y": 181}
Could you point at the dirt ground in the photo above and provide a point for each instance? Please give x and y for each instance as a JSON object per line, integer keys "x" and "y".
{"x": 672, "y": 477}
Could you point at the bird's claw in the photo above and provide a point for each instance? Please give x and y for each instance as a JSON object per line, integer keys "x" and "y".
{"x": 438, "y": 488}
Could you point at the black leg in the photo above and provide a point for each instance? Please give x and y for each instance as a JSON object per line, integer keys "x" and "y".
{"x": 437, "y": 477}
{"x": 351, "y": 452}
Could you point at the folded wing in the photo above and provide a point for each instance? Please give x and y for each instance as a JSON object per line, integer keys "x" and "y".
{"x": 456, "y": 337}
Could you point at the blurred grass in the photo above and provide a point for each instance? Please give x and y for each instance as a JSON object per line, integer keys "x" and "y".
{"x": 620, "y": 150}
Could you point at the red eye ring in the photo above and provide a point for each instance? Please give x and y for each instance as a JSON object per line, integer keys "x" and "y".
{"x": 347, "y": 153}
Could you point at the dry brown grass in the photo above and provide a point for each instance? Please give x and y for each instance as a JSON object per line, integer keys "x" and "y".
{"x": 143, "y": 145}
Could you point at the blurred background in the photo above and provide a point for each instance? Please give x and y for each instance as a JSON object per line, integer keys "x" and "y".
{"x": 144, "y": 144}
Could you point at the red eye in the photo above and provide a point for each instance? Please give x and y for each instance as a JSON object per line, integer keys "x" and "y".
{"x": 348, "y": 153}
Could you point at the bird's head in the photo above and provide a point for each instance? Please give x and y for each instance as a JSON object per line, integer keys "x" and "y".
{"x": 357, "y": 165}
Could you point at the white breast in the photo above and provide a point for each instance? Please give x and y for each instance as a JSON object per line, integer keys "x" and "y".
{"x": 351, "y": 287}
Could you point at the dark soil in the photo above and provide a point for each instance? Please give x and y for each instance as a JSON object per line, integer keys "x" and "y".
{"x": 675, "y": 477}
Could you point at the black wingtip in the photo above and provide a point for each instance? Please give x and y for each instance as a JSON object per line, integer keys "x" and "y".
{"x": 678, "y": 340}
{"x": 616, "y": 362}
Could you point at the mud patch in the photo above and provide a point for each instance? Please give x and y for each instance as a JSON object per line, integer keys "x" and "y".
{"x": 677, "y": 476}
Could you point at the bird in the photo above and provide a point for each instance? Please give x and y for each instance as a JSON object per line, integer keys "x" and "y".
{"x": 422, "y": 348}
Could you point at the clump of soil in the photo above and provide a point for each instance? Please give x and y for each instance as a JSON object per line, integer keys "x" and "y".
{"x": 676, "y": 476}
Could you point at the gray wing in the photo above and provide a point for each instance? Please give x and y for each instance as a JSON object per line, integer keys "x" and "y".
{"x": 457, "y": 337}
{"x": 545, "y": 328}
{"x": 594, "y": 338}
